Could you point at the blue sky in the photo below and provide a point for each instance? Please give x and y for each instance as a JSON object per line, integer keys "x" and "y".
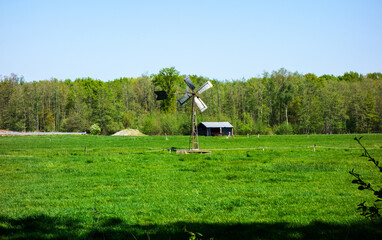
{"x": 223, "y": 40}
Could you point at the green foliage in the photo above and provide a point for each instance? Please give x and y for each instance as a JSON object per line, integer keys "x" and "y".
{"x": 311, "y": 104}
{"x": 167, "y": 79}
{"x": 260, "y": 128}
{"x": 48, "y": 120}
{"x": 246, "y": 125}
{"x": 351, "y": 77}
{"x": 166, "y": 123}
{"x": 373, "y": 211}
{"x": 76, "y": 122}
{"x": 170, "y": 124}
{"x": 95, "y": 129}
{"x": 128, "y": 119}
{"x": 152, "y": 124}
{"x": 284, "y": 129}
{"x": 327, "y": 77}
{"x": 113, "y": 127}
{"x": 375, "y": 76}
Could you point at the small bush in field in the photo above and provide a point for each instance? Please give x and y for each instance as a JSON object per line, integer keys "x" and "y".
{"x": 284, "y": 129}
{"x": 95, "y": 129}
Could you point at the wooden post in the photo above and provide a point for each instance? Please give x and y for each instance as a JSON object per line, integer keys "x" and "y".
{"x": 85, "y": 149}
{"x": 194, "y": 140}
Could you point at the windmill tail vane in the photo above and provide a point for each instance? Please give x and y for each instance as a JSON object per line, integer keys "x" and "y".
{"x": 196, "y": 101}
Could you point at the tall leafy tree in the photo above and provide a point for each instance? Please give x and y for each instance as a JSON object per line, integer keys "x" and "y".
{"x": 374, "y": 76}
{"x": 333, "y": 101}
{"x": 286, "y": 94}
{"x": 351, "y": 77}
{"x": 167, "y": 80}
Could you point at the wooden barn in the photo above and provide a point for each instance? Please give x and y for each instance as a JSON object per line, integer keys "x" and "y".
{"x": 215, "y": 129}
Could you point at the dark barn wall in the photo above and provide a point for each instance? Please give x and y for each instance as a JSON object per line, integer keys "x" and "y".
{"x": 202, "y": 130}
{"x": 215, "y": 131}
{"x": 227, "y": 131}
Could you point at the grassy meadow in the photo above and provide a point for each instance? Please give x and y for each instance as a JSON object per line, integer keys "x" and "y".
{"x": 266, "y": 187}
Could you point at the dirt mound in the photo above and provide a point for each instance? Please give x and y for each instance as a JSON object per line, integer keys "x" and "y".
{"x": 129, "y": 132}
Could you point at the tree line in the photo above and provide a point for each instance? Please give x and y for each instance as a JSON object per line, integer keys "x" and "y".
{"x": 279, "y": 102}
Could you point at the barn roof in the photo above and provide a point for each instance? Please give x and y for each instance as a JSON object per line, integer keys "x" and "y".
{"x": 217, "y": 124}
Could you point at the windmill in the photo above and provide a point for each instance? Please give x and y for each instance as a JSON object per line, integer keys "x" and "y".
{"x": 196, "y": 101}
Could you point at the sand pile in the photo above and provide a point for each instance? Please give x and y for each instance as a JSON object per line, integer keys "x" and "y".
{"x": 129, "y": 132}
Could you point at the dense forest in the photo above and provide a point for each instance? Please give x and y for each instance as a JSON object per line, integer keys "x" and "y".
{"x": 280, "y": 102}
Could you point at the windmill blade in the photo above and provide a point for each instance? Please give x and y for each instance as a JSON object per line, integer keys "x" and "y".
{"x": 184, "y": 99}
{"x": 161, "y": 95}
{"x": 189, "y": 83}
{"x": 206, "y": 86}
{"x": 201, "y": 105}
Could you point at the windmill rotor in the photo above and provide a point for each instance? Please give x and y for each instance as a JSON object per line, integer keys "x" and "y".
{"x": 201, "y": 105}
{"x": 185, "y": 98}
{"x": 191, "y": 93}
{"x": 205, "y": 87}
{"x": 189, "y": 83}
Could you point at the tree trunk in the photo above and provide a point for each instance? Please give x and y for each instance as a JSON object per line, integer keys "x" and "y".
{"x": 286, "y": 114}
{"x": 37, "y": 120}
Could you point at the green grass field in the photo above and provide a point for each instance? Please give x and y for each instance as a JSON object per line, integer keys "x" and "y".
{"x": 132, "y": 188}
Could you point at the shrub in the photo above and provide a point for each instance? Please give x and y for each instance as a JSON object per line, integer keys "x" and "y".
{"x": 284, "y": 129}
{"x": 113, "y": 127}
{"x": 262, "y": 128}
{"x": 244, "y": 128}
{"x": 95, "y": 129}
{"x": 151, "y": 124}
